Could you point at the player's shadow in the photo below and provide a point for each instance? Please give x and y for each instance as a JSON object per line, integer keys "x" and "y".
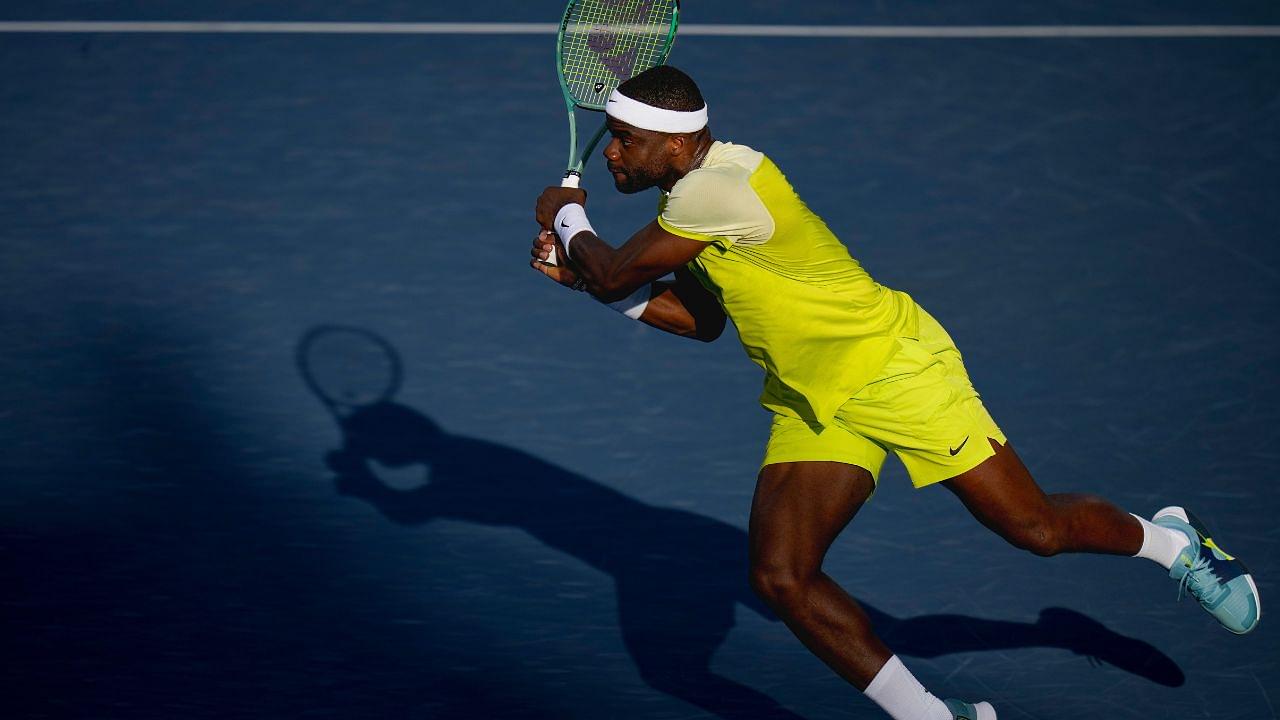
{"x": 678, "y": 574}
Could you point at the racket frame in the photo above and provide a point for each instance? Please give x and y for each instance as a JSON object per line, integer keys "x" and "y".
{"x": 339, "y": 409}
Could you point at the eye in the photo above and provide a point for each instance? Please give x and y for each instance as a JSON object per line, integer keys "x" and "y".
{"x": 626, "y": 142}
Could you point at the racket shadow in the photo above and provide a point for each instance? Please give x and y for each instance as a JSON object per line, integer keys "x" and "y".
{"x": 679, "y": 575}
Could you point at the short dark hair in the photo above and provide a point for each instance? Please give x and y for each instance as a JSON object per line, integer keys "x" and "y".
{"x": 664, "y": 87}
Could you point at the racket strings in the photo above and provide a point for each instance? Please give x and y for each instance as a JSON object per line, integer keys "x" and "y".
{"x": 606, "y": 42}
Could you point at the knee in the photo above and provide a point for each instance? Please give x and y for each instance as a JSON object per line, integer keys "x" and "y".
{"x": 1038, "y": 535}
{"x": 779, "y": 585}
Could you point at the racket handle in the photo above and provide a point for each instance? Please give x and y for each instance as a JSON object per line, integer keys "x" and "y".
{"x": 571, "y": 180}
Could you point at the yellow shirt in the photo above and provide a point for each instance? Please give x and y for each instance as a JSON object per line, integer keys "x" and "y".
{"x": 805, "y": 310}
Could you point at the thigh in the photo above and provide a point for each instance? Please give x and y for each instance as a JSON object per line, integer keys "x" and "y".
{"x": 1000, "y": 492}
{"x": 799, "y": 508}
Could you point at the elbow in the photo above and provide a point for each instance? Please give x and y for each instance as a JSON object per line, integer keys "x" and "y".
{"x": 610, "y": 293}
{"x": 617, "y": 281}
{"x": 611, "y": 289}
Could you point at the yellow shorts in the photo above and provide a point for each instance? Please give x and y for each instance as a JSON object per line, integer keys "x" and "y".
{"x": 922, "y": 407}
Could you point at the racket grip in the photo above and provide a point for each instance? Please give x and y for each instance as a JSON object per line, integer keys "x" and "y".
{"x": 571, "y": 180}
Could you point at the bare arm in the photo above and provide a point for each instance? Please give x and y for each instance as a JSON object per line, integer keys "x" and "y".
{"x": 612, "y": 274}
{"x": 682, "y": 307}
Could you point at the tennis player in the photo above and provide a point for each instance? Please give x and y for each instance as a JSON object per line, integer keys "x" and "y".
{"x": 853, "y": 370}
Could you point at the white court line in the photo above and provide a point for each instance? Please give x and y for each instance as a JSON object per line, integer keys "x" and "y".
{"x": 801, "y": 31}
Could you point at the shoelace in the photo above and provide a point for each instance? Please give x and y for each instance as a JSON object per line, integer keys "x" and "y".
{"x": 1201, "y": 581}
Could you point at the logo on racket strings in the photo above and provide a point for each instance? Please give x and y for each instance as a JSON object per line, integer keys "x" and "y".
{"x": 603, "y": 41}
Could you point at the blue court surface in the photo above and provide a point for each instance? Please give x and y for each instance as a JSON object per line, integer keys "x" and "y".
{"x": 557, "y": 525}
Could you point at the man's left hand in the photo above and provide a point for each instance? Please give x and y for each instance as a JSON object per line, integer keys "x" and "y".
{"x": 554, "y": 198}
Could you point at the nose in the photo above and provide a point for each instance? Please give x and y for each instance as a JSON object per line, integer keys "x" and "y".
{"x": 611, "y": 151}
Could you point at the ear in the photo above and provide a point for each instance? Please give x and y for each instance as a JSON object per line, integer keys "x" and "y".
{"x": 676, "y": 144}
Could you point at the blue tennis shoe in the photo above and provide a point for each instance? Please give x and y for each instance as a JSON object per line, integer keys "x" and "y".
{"x": 1221, "y": 583}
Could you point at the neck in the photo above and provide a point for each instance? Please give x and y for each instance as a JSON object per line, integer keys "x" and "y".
{"x": 702, "y": 141}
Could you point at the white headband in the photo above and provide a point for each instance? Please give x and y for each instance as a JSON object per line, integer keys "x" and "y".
{"x": 648, "y": 117}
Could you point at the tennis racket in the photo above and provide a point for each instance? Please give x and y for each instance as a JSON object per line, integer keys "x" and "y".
{"x": 601, "y": 44}
{"x": 348, "y": 368}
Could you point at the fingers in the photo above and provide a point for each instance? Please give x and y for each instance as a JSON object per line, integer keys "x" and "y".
{"x": 552, "y": 271}
{"x": 543, "y": 246}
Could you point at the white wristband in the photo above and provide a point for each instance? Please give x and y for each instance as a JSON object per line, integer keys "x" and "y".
{"x": 634, "y": 304}
{"x": 571, "y": 220}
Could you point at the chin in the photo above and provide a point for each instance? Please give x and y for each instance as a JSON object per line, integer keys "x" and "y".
{"x": 630, "y": 186}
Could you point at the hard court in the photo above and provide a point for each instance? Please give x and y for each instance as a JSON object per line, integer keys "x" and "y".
{"x": 1094, "y": 219}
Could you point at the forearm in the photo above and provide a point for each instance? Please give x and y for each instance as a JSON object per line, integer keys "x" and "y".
{"x": 613, "y": 274}
{"x": 610, "y": 273}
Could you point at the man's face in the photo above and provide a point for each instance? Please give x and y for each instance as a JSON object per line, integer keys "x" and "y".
{"x": 637, "y": 159}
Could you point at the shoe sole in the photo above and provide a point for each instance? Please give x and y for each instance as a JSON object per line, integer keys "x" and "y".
{"x": 1199, "y": 527}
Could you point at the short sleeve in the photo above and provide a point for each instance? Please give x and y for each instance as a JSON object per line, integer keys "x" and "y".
{"x": 716, "y": 204}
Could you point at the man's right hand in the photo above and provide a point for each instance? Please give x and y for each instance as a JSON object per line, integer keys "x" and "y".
{"x": 544, "y": 245}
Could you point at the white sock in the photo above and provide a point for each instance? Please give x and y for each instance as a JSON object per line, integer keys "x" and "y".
{"x": 900, "y": 694}
{"x": 1161, "y": 544}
